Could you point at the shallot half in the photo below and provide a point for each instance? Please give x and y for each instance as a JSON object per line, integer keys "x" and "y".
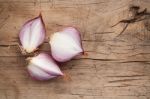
{"x": 66, "y": 44}
{"x": 43, "y": 67}
{"x": 32, "y": 34}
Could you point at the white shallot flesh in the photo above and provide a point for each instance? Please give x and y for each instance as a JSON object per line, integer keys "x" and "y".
{"x": 32, "y": 34}
{"x": 66, "y": 44}
{"x": 43, "y": 67}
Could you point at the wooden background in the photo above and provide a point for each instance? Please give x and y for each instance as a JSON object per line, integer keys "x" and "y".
{"x": 115, "y": 67}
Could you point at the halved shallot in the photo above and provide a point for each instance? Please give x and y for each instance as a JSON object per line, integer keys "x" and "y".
{"x": 32, "y": 34}
{"x": 43, "y": 67}
{"x": 66, "y": 44}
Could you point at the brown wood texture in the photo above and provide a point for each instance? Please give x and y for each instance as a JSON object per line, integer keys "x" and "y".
{"x": 116, "y": 67}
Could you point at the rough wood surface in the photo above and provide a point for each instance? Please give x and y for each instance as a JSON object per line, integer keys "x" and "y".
{"x": 116, "y": 67}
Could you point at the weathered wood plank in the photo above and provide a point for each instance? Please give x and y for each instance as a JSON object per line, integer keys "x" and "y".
{"x": 115, "y": 67}
{"x": 93, "y": 78}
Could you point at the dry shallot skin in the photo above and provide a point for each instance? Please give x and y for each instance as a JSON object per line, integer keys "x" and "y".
{"x": 32, "y": 34}
{"x": 43, "y": 67}
{"x": 66, "y": 44}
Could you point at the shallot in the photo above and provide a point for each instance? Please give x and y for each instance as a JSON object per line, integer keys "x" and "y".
{"x": 43, "y": 67}
{"x": 66, "y": 44}
{"x": 32, "y": 34}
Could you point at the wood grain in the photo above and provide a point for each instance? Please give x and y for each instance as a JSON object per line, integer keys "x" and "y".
{"x": 116, "y": 67}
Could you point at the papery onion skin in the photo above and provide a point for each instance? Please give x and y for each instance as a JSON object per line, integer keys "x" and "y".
{"x": 66, "y": 44}
{"x": 43, "y": 67}
{"x": 32, "y": 34}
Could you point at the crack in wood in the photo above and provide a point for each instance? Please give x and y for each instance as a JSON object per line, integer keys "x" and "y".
{"x": 133, "y": 61}
{"x": 99, "y": 59}
{"x": 137, "y": 16}
{"x": 103, "y": 32}
{"x": 123, "y": 80}
{"x": 127, "y": 76}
